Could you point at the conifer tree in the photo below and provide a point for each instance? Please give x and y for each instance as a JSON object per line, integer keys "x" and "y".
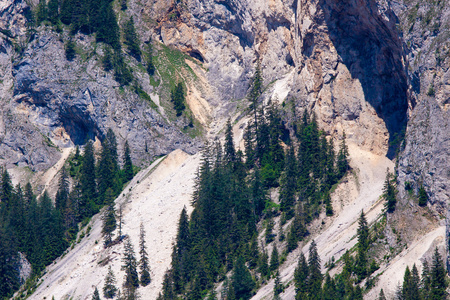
{"x": 177, "y": 97}
{"x": 88, "y": 183}
{"x": 150, "y": 64}
{"x": 131, "y": 282}
{"x": 70, "y": 50}
{"x": 109, "y": 224}
{"x": 264, "y": 265}
{"x": 301, "y": 275}
{"x": 289, "y": 184}
{"x": 122, "y": 73}
{"x": 96, "y": 295}
{"x": 438, "y": 282}
{"x": 278, "y": 287}
{"x": 41, "y": 12}
{"x": 274, "y": 259}
{"x": 9, "y": 259}
{"x": 109, "y": 289}
{"x": 230, "y": 152}
{"x": 381, "y": 296}
{"x": 143, "y": 262}
{"x": 107, "y": 60}
{"x": 127, "y": 165}
{"x": 389, "y": 193}
{"x": 242, "y": 280}
{"x": 315, "y": 275}
{"x": 329, "y": 289}
{"x": 53, "y": 11}
{"x": 363, "y": 246}
{"x": 423, "y": 197}
{"x": 255, "y": 92}
{"x": 131, "y": 39}
{"x": 249, "y": 147}
{"x": 426, "y": 280}
{"x": 108, "y": 30}
{"x": 342, "y": 159}
{"x": 62, "y": 194}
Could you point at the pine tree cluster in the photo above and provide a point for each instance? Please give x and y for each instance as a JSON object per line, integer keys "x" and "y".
{"x": 231, "y": 201}
{"x": 83, "y": 16}
{"x": 41, "y": 230}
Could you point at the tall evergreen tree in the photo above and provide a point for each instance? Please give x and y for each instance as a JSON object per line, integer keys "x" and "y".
{"x": 9, "y": 260}
{"x": 342, "y": 158}
{"x": 249, "y": 147}
{"x": 381, "y": 296}
{"x": 230, "y": 152}
{"x": 109, "y": 224}
{"x": 63, "y": 191}
{"x": 150, "y": 64}
{"x": 127, "y": 163}
{"x": 53, "y": 11}
{"x": 301, "y": 275}
{"x": 274, "y": 259}
{"x": 131, "y": 39}
{"x": 143, "y": 262}
{"x": 438, "y": 282}
{"x": 423, "y": 197}
{"x": 315, "y": 275}
{"x": 363, "y": 246}
{"x": 389, "y": 193}
{"x": 242, "y": 280}
{"x": 88, "y": 182}
{"x": 177, "y": 97}
{"x": 130, "y": 267}
{"x": 109, "y": 289}
{"x": 96, "y": 295}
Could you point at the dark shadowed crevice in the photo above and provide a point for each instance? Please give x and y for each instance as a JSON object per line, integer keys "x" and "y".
{"x": 372, "y": 52}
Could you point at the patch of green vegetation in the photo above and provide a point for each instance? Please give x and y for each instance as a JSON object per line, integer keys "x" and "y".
{"x": 172, "y": 68}
{"x": 143, "y": 95}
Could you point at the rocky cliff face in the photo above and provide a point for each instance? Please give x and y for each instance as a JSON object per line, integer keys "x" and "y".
{"x": 376, "y": 69}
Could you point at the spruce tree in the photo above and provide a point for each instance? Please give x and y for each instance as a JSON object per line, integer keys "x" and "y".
{"x": 263, "y": 265}
{"x": 150, "y": 64}
{"x": 96, "y": 295}
{"x": 242, "y": 280}
{"x": 363, "y": 246}
{"x": 53, "y": 11}
{"x": 381, "y": 296}
{"x": 130, "y": 267}
{"x": 109, "y": 224}
{"x": 315, "y": 275}
{"x": 63, "y": 191}
{"x": 423, "y": 197}
{"x": 274, "y": 259}
{"x": 109, "y": 289}
{"x": 249, "y": 147}
{"x": 70, "y": 50}
{"x": 389, "y": 194}
{"x": 107, "y": 60}
{"x": 342, "y": 158}
{"x": 438, "y": 281}
{"x": 9, "y": 260}
{"x": 88, "y": 182}
{"x": 127, "y": 163}
{"x": 230, "y": 152}
{"x": 143, "y": 262}
{"x": 301, "y": 275}
{"x": 278, "y": 287}
{"x": 177, "y": 97}
{"x": 131, "y": 39}
{"x": 41, "y": 12}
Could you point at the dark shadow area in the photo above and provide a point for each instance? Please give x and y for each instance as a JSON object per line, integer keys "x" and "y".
{"x": 372, "y": 51}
